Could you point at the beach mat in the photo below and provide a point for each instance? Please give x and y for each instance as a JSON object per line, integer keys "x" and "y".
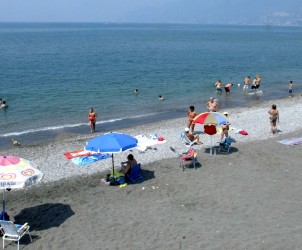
{"x": 76, "y": 153}
{"x": 291, "y": 141}
{"x": 85, "y": 160}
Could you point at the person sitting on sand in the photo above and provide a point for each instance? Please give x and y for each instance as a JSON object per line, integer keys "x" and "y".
{"x": 224, "y": 133}
{"x": 192, "y": 137}
{"x": 127, "y": 165}
{"x": 274, "y": 117}
{"x": 191, "y": 115}
{"x": 212, "y": 105}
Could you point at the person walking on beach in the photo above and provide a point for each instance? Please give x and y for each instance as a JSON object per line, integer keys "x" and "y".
{"x": 92, "y": 119}
{"x": 246, "y": 83}
{"x": 274, "y": 117}
{"x": 212, "y": 105}
{"x": 290, "y": 88}
{"x": 227, "y": 88}
{"x": 191, "y": 115}
{"x": 218, "y": 85}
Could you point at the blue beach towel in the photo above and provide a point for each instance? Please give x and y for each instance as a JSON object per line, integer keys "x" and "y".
{"x": 85, "y": 160}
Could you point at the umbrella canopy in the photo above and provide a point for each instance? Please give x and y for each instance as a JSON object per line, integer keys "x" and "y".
{"x": 111, "y": 143}
{"x": 215, "y": 118}
{"x": 17, "y": 172}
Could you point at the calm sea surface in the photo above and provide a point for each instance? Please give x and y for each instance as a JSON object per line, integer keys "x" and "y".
{"x": 51, "y": 74}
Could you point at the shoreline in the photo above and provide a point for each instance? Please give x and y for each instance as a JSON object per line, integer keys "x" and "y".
{"x": 53, "y": 164}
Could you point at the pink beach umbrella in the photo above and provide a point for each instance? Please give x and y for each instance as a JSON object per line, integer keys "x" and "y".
{"x": 17, "y": 173}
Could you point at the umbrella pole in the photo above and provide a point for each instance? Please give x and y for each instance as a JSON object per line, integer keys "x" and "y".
{"x": 3, "y": 204}
{"x": 112, "y": 164}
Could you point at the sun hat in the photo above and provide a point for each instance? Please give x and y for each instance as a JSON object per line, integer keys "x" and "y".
{"x": 187, "y": 129}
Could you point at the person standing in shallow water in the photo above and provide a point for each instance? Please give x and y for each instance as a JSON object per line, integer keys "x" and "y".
{"x": 274, "y": 117}
{"x": 92, "y": 119}
{"x": 290, "y": 88}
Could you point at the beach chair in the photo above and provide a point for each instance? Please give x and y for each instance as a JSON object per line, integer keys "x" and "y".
{"x": 187, "y": 141}
{"x": 225, "y": 146}
{"x": 135, "y": 173}
{"x": 13, "y": 232}
{"x": 188, "y": 158}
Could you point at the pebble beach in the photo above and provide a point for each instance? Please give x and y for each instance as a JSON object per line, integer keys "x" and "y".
{"x": 248, "y": 199}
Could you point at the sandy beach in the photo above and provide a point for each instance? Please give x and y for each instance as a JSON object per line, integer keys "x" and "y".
{"x": 249, "y": 199}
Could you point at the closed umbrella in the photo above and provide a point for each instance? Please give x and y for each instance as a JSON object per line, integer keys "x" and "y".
{"x": 111, "y": 143}
{"x": 17, "y": 173}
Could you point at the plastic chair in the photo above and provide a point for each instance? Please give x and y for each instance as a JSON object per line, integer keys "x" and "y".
{"x": 225, "y": 146}
{"x": 188, "y": 158}
{"x": 187, "y": 141}
{"x": 135, "y": 173}
{"x": 13, "y": 232}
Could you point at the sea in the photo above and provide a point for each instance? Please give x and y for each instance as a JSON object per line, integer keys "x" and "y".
{"x": 52, "y": 73}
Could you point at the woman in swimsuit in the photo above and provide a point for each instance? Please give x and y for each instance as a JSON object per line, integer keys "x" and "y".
{"x": 92, "y": 119}
{"x": 224, "y": 133}
{"x": 274, "y": 117}
{"x": 191, "y": 115}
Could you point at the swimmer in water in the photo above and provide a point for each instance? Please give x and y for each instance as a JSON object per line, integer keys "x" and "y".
{"x": 160, "y": 97}
{"x": 135, "y": 91}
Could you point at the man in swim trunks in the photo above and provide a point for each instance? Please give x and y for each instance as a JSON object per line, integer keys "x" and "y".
{"x": 254, "y": 84}
{"x": 92, "y": 119}
{"x": 218, "y": 85}
{"x": 212, "y": 105}
{"x": 246, "y": 83}
{"x": 258, "y": 78}
{"x": 274, "y": 117}
{"x": 227, "y": 88}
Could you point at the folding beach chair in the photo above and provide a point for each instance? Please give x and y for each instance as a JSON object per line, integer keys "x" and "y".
{"x": 13, "y": 232}
{"x": 225, "y": 146}
{"x": 135, "y": 173}
{"x": 188, "y": 158}
{"x": 187, "y": 141}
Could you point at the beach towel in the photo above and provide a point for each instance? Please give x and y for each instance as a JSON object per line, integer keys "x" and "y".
{"x": 145, "y": 141}
{"x": 292, "y": 141}
{"x": 76, "y": 153}
{"x": 85, "y": 160}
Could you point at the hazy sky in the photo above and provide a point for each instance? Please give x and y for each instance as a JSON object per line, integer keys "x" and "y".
{"x": 154, "y": 11}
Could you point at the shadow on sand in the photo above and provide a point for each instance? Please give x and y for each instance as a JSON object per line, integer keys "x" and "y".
{"x": 43, "y": 217}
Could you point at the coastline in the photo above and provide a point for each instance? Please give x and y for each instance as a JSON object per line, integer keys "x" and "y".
{"x": 51, "y": 161}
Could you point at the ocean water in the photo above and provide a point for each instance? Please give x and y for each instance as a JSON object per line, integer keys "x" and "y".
{"x": 52, "y": 73}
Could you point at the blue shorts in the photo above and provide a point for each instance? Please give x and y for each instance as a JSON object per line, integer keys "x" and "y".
{"x": 290, "y": 91}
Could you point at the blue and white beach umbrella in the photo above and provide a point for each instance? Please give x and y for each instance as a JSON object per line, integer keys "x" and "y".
{"x": 111, "y": 143}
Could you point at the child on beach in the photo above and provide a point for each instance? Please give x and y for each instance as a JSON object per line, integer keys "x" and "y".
{"x": 191, "y": 115}
{"x": 290, "y": 88}
{"x": 274, "y": 117}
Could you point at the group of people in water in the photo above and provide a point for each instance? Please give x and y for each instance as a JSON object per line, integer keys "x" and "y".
{"x": 227, "y": 87}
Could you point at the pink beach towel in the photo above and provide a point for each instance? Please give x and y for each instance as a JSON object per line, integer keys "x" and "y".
{"x": 76, "y": 153}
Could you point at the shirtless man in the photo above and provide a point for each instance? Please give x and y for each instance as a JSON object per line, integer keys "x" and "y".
{"x": 218, "y": 85}
{"x": 227, "y": 88}
{"x": 258, "y": 78}
{"x": 192, "y": 137}
{"x": 254, "y": 84}
{"x": 246, "y": 83}
{"x": 224, "y": 133}
{"x": 212, "y": 105}
{"x": 274, "y": 117}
